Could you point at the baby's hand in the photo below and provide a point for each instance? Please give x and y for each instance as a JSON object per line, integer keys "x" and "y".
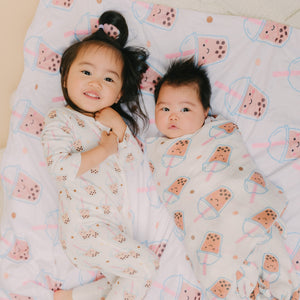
{"x": 110, "y": 118}
{"x": 110, "y": 142}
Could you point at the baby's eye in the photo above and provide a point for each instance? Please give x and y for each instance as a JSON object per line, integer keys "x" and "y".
{"x": 85, "y": 72}
{"x": 165, "y": 109}
{"x": 108, "y": 79}
{"x": 185, "y": 109}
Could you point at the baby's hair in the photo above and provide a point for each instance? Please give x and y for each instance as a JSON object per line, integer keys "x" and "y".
{"x": 187, "y": 72}
{"x": 134, "y": 59}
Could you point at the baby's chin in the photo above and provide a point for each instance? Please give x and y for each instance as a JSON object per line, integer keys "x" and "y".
{"x": 179, "y": 133}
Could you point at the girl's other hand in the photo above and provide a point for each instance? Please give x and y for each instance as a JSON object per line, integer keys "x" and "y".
{"x": 110, "y": 118}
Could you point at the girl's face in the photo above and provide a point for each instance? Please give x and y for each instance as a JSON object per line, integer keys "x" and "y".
{"x": 95, "y": 78}
{"x": 179, "y": 111}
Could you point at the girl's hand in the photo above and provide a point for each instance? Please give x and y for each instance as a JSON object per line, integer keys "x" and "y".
{"x": 110, "y": 118}
{"x": 107, "y": 146}
{"x": 109, "y": 141}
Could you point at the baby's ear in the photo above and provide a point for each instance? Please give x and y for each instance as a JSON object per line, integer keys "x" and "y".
{"x": 206, "y": 112}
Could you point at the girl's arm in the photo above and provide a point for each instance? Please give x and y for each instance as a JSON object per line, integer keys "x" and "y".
{"x": 95, "y": 156}
{"x": 58, "y": 142}
{"x": 110, "y": 118}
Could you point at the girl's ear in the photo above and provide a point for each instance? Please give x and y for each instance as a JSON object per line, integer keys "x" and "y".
{"x": 119, "y": 97}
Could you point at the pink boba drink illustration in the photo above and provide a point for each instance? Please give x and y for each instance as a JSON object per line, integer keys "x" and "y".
{"x": 296, "y": 259}
{"x": 255, "y": 184}
{"x": 283, "y": 144}
{"x": 259, "y": 225}
{"x": 270, "y": 267}
{"x": 20, "y": 185}
{"x": 210, "y": 249}
{"x": 220, "y": 131}
{"x": 211, "y": 205}
{"x": 86, "y": 25}
{"x": 150, "y": 79}
{"x": 50, "y": 227}
{"x": 207, "y": 50}
{"x": 63, "y": 4}
{"x": 218, "y": 160}
{"x": 270, "y": 32}
{"x": 245, "y": 99}
{"x": 295, "y": 295}
{"x": 7, "y": 240}
{"x": 176, "y": 154}
{"x": 52, "y": 283}
{"x": 157, "y": 15}
{"x": 176, "y": 287}
{"x": 220, "y": 289}
{"x": 179, "y": 222}
{"x": 31, "y": 121}
{"x": 40, "y": 56}
{"x": 292, "y": 74}
{"x": 19, "y": 251}
{"x": 172, "y": 194}
{"x": 158, "y": 248}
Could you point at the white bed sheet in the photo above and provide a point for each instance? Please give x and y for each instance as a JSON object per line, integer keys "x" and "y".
{"x": 253, "y": 61}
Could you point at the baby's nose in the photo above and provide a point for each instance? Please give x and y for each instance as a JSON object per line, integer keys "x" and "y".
{"x": 173, "y": 116}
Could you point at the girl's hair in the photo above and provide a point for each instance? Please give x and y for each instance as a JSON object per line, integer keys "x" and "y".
{"x": 187, "y": 72}
{"x": 134, "y": 59}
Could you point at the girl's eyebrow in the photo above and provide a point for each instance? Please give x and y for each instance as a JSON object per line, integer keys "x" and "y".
{"x": 93, "y": 65}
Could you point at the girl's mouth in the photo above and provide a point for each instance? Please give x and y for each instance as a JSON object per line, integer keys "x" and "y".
{"x": 91, "y": 95}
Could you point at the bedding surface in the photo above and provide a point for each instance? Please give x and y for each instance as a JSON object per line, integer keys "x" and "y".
{"x": 287, "y": 12}
{"x": 249, "y": 61}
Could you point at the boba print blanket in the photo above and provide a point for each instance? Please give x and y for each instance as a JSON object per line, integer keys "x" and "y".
{"x": 254, "y": 68}
{"x": 225, "y": 210}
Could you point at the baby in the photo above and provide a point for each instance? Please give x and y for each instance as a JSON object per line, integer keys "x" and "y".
{"x": 227, "y": 213}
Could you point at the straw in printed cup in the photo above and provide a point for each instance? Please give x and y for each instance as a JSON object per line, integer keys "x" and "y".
{"x": 220, "y": 131}
{"x": 175, "y": 154}
{"x": 255, "y": 184}
{"x": 172, "y": 193}
{"x": 61, "y": 4}
{"x": 177, "y": 287}
{"x": 207, "y": 49}
{"x": 20, "y": 185}
{"x": 38, "y": 55}
{"x": 86, "y": 25}
{"x": 217, "y": 161}
{"x": 211, "y": 205}
{"x": 245, "y": 99}
{"x": 220, "y": 289}
{"x": 270, "y": 32}
{"x": 157, "y": 15}
{"x": 259, "y": 225}
{"x": 28, "y": 120}
{"x": 283, "y": 144}
{"x": 210, "y": 250}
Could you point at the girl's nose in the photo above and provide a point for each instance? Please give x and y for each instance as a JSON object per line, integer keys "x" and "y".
{"x": 95, "y": 83}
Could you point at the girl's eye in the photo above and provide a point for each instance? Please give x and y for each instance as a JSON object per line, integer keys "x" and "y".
{"x": 165, "y": 109}
{"x": 88, "y": 73}
{"x": 108, "y": 79}
{"x": 185, "y": 109}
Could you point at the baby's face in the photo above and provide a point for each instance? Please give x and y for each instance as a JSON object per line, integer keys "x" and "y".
{"x": 179, "y": 111}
